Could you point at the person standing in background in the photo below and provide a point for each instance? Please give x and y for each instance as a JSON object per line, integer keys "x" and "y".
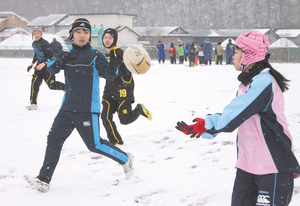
{"x": 207, "y": 50}
{"x": 181, "y": 53}
{"x": 160, "y": 47}
{"x": 55, "y": 46}
{"x": 192, "y": 55}
{"x": 220, "y": 51}
{"x": 187, "y": 51}
{"x": 172, "y": 53}
{"x": 229, "y": 52}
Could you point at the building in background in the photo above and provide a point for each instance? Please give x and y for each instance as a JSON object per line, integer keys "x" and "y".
{"x": 10, "y": 24}
{"x": 59, "y": 24}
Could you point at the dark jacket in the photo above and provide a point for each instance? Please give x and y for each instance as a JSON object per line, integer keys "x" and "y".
{"x": 55, "y": 47}
{"x": 207, "y": 50}
{"x": 42, "y": 51}
{"x": 122, "y": 87}
{"x": 192, "y": 50}
{"x": 82, "y": 93}
{"x": 230, "y": 49}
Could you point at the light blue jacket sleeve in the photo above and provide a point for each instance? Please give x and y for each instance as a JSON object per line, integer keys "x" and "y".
{"x": 255, "y": 100}
{"x": 53, "y": 66}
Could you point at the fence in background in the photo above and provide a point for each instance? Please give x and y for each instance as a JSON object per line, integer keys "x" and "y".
{"x": 279, "y": 55}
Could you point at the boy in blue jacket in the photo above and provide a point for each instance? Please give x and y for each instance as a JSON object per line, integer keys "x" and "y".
{"x": 80, "y": 109}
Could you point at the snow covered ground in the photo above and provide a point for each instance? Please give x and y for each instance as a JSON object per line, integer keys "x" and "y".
{"x": 170, "y": 168}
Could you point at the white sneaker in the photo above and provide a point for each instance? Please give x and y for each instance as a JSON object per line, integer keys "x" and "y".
{"x": 32, "y": 107}
{"x": 37, "y": 183}
{"x": 128, "y": 167}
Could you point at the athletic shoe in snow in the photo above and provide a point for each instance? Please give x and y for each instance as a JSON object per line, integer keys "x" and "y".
{"x": 128, "y": 167}
{"x": 32, "y": 107}
{"x": 144, "y": 111}
{"x": 37, "y": 183}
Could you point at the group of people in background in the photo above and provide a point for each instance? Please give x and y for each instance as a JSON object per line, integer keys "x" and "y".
{"x": 189, "y": 51}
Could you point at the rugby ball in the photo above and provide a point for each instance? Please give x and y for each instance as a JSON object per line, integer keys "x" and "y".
{"x": 137, "y": 59}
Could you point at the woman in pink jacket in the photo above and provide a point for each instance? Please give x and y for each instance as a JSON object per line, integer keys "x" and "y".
{"x": 266, "y": 165}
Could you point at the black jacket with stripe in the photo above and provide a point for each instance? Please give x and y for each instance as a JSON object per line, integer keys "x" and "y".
{"x": 122, "y": 87}
{"x": 82, "y": 92}
{"x": 42, "y": 51}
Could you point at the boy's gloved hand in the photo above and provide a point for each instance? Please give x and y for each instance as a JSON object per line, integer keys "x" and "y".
{"x": 66, "y": 58}
{"x": 28, "y": 68}
{"x": 195, "y": 130}
{"x": 115, "y": 60}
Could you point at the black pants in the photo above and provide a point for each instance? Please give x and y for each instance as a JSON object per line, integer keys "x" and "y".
{"x": 173, "y": 59}
{"x": 125, "y": 113}
{"x": 201, "y": 59}
{"x": 87, "y": 125}
{"x": 37, "y": 79}
{"x": 181, "y": 59}
{"x": 219, "y": 59}
{"x": 192, "y": 59}
{"x": 270, "y": 189}
{"x": 186, "y": 56}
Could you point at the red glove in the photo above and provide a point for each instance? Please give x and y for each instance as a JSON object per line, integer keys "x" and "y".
{"x": 181, "y": 126}
{"x": 195, "y": 130}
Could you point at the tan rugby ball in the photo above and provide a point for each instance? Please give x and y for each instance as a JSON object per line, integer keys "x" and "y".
{"x": 136, "y": 59}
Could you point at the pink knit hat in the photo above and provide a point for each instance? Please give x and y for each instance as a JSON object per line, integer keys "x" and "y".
{"x": 254, "y": 46}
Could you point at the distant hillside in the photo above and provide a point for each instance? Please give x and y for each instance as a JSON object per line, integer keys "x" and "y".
{"x": 189, "y": 14}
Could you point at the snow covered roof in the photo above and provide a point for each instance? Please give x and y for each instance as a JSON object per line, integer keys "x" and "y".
{"x": 25, "y": 41}
{"x": 283, "y": 42}
{"x": 237, "y": 32}
{"x": 9, "y": 32}
{"x": 2, "y": 19}
{"x": 199, "y": 32}
{"x": 134, "y": 15}
{"x": 121, "y": 28}
{"x": 10, "y": 12}
{"x": 63, "y": 33}
{"x": 264, "y": 31}
{"x": 47, "y": 20}
{"x": 159, "y": 31}
{"x": 67, "y": 21}
{"x": 222, "y": 32}
{"x": 288, "y": 32}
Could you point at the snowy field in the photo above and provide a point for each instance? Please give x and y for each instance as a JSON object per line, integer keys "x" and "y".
{"x": 170, "y": 168}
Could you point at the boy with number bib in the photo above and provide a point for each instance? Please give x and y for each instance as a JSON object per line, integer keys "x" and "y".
{"x": 118, "y": 95}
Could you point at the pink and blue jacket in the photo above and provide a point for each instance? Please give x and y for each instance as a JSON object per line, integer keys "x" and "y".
{"x": 264, "y": 142}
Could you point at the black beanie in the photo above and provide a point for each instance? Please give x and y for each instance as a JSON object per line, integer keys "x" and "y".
{"x": 80, "y": 23}
{"x": 113, "y": 34}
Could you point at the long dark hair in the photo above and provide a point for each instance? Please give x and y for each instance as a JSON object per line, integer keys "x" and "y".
{"x": 259, "y": 66}
{"x": 281, "y": 80}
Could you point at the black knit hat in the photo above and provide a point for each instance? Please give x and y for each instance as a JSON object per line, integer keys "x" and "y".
{"x": 80, "y": 23}
{"x": 113, "y": 34}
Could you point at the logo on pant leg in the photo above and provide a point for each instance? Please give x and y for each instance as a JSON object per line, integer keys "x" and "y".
{"x": 263, "y": 200}
{"x": 86, "y": 123}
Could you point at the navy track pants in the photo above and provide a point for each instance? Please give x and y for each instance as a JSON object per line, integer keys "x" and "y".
{"x": 87, "y": 125}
